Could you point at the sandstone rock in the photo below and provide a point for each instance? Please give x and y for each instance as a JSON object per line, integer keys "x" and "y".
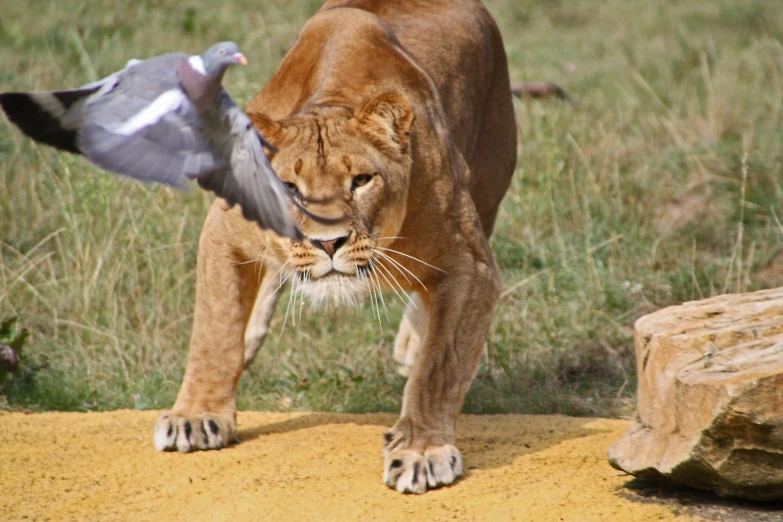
{"x": 710, "y": 396}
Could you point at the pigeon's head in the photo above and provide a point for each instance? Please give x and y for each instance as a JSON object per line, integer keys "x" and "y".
{"x": 220, "y": 56}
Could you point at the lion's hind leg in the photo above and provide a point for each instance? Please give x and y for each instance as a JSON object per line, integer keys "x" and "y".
{"x": 260, "y": 317}
{"x": 410, "y": 335}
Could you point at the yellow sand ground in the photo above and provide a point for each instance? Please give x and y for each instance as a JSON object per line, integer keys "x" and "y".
{"x": 308, "y": 466}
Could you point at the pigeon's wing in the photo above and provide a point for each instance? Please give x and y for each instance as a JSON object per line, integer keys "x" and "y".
{"x": 147, "y": 128}
{"x": 54, "y": 117}
{"x": 251, "y": 182}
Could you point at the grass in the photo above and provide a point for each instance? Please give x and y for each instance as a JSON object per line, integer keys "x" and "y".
{"x": 663, "y": 186}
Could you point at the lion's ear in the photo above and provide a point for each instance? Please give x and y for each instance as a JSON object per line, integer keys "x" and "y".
{"x": 269, "y": 129}
{"x": 387, "y": 121}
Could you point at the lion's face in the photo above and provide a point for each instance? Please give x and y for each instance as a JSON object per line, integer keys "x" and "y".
{"x": 343, "y": 165}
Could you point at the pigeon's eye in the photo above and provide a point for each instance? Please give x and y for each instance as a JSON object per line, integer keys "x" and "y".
{"x": 291, "y": 187}
{"x": 221, "y": 52}
{"x": 360, "y": 181}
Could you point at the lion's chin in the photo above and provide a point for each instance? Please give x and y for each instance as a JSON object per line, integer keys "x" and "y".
{"x": 334, "y": 289}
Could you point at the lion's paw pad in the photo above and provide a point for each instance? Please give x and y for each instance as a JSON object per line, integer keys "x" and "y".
{"x": 410, "y": 471}
{"x": 202, "y": 432}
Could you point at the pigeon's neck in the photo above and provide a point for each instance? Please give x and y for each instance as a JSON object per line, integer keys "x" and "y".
{"x": 202, "y": 89}
{"x": 209, "y": 95}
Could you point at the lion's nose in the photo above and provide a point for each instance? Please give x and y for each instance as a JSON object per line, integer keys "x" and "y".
{"x": 329, "y": 246}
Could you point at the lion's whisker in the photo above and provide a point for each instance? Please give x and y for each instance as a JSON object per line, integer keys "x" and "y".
{"x": 282, "y": 279}
{"x": 256, "y": 260}
{"x": 359, "y": 275}
{"x": 383, "y": 299}
{"x": 377, "y": 309}
{"x": 306, "y": 276}
{"x": 377, "y": 284}
{"x": 392, "y": 282}
{"x": 370, "y": 290}
{"x": 291, "y": 296}
{"x": 261, "y": 267}
{"x": 357, "y": 303}
{"x": 346, "y": 296}
{"x": 393, "y": 264}
{"x": 411, "y": 257}
{"x": 353, "y": 297}
{"x": 297, "y": 294}
{"x": 262, "y": 255}
{"x": 400, "y": 268}
{"x": 296, "y": 289}
{"x": 373, "y": 301}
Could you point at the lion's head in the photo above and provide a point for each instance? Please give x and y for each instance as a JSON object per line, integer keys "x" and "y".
{"x": 350, "y": 164}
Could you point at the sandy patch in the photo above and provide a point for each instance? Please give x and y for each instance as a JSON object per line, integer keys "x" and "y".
{"x": 324, "y": 467}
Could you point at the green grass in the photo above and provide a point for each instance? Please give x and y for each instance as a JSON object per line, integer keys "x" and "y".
{"x": 664, "y": 185}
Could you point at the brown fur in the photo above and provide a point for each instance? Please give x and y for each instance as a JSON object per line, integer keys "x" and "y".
{"x": 416, "y": 94}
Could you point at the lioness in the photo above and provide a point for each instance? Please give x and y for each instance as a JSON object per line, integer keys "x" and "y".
{"x": 397, "y": 116}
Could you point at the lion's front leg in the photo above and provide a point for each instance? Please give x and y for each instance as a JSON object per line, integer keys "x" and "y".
{"x": 420, "y": 451}
{"x": 204, "y": 416}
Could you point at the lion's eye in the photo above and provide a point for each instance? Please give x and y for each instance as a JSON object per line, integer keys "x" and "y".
{"x": 360, "y": 181}
{"x": 291, "y": 187}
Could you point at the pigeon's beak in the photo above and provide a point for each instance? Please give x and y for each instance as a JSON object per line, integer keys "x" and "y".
{"x": 240, "y": 59}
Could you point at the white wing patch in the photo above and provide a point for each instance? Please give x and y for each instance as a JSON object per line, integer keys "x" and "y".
{"x": 197, "y": 63}
{"x": 167, "y": 102}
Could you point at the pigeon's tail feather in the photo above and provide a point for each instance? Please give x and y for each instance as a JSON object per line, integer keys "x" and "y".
{"x": 52, "y": 118}
{"x": 141, "y": 158}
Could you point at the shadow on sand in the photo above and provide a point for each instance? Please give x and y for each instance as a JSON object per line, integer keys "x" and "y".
{"x": 486, "y": 441}
{"x": 704, "y": 504}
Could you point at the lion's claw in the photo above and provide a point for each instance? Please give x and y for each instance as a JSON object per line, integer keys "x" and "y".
{"x": 410, "y": 471}
{"x": 203, "y": 432}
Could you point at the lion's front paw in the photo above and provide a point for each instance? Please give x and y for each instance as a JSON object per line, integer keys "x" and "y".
{"x": 410, "y": 471}
{"x": 203, "y": 432}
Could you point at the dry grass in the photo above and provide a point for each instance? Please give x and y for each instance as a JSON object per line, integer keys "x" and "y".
{"x": 664, "y": 185}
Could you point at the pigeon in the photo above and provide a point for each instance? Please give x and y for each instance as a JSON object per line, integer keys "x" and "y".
{"x": 166, "y": 119}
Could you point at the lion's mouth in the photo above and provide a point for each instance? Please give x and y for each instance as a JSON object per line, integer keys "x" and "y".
{"x": 360, "y": 271}
{"x": 335, "y": 287}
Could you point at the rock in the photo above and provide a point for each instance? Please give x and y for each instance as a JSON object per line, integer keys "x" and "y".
{"x": 710, "y": 396}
